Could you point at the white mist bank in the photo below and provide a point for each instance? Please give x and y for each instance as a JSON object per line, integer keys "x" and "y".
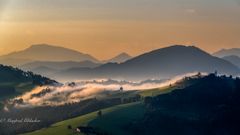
{"x": 60, "y": 95}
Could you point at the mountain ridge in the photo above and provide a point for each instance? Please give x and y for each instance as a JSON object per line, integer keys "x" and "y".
{"x": 120, "y": 58}
{"x": 164, "y": 63}
{"x": 227, "y": 52}
{"x": 45, "y": 52}
{"x": 233, "y": 59}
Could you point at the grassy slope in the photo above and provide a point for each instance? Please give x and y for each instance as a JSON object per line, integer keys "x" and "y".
{"x": 112, "y": 120}
{"x": 115, "y": 121}
{"x": 156, "y": 91}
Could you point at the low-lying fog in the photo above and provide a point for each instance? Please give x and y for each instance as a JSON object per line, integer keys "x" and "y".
{"x": 77, "y": 91}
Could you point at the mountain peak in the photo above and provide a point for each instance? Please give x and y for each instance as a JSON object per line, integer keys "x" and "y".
{"x": 120, "y": 58}
{"x": 227, "y": 52}
{"x": 40, "y": 45}
{"x": 176, "y": 50}
{"x": 123, "y": 54}
{"x": 47, "y": 46}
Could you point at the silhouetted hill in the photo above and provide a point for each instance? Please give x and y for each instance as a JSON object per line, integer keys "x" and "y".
{"x": 19, "y": 81}
{"x": 119, "y": 58}
{"x": 210, "y": 106}
{"x": 44, "y": 52}
{"x": 162, "y": 63}
{"x": 233, "y": 59}
{"x": 227, "y": 52}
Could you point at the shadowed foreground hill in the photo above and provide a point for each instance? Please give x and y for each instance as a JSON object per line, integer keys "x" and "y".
{"x": 209, "y": 107}
{"x": 14, "y": 81}
{"x": 161, "y": 63}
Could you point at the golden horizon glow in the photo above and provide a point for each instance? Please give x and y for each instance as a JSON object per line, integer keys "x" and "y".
{"x": 107, "y": 29}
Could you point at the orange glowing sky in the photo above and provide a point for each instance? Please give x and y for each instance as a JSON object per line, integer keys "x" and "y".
{"x": 104, "y": 28}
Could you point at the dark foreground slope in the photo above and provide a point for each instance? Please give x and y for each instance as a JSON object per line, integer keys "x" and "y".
{"x": 209, "y": 107}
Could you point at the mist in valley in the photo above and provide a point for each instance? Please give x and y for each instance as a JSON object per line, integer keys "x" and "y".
{"x": 78, "y": 91}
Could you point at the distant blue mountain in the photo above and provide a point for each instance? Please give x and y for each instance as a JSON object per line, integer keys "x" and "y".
{"x": 233, "y": 59}
{"x": 227, "y": 52}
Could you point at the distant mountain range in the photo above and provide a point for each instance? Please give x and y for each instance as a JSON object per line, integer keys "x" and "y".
{"x": 227, "y": 52}
{"x": 44, "y": 52}
{"x": 59, "y": 65}
{"x": 233, "y": 59}
{"x": 162, "y": 63}
{"x": 119, "y": 58}
{"x": 48, "y": 68}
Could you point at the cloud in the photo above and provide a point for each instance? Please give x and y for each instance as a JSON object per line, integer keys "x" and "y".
{"x": 68, "y": 94}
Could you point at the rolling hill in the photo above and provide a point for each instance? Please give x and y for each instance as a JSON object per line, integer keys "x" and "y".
{"x": 14, "y": 81}
{"x": 44, "y": 52}
{"x": 162, "y": 63}
{"x": 233, "y": 59}
{"x": 206, "y": 106}
{"x": 227, "y": 52}
{"x": 110, "y": 120}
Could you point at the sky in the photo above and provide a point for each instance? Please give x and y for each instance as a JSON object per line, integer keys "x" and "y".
{"x": 104, "y": 28}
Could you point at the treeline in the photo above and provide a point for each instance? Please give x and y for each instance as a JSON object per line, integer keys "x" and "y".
{"x": 10, "y": 74}
{"x": 11, "y": 78}
{"x": 208, "y": 107}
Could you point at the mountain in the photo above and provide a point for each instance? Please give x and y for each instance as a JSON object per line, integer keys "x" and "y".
{"x": 45, "y": 71}
{"x": 119, "y": 58}
{"x": 233, "y": 59}
{"x": 59, "y": 65}
{"x": 44, "y": 52}
{"x": 13, "y": 61}
{"x": 14, "y": 81}
{"x": 227, "y": 52}
{"x": 162, "y": 63}
{"x": 48, "y": 68}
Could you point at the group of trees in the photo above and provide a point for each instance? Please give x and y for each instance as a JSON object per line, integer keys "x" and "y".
{"x": 11, "y": 74}
{"x": 210, "y": 106}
